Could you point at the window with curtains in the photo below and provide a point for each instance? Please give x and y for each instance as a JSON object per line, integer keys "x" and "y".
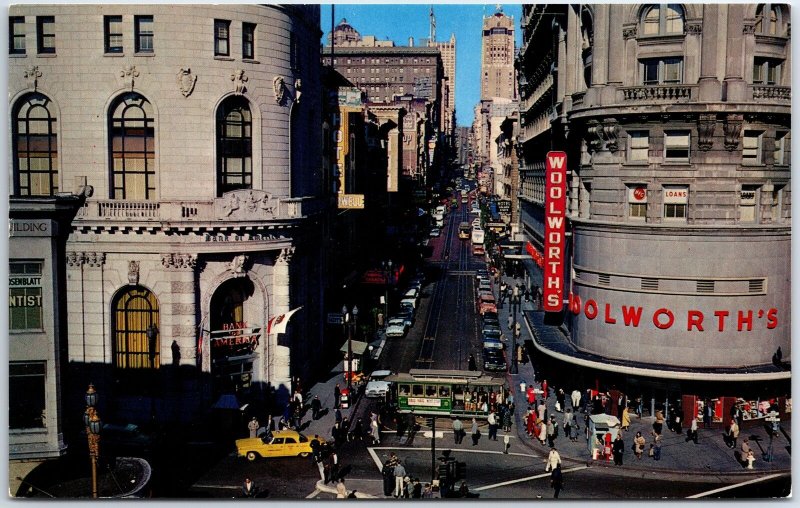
{"x": 34, "y": 146}
{"x": 134, "y": 310}
{"x": 234, "y": 145}
{"x": 132, "y": 147}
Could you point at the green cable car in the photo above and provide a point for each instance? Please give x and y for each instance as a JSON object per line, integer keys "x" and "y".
{"x": 447, "y": 392}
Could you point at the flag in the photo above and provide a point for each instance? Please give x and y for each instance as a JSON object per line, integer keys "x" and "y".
{"x": 278, "y": 323}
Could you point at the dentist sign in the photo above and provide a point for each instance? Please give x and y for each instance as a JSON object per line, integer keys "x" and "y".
{"x": 554, "y": 230}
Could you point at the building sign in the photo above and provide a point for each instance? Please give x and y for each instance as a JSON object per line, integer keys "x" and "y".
{"x": 504, "y": 205}
{"x": 554, "y": 230}
{"x": 25, "y": 295}
{"x": 31, "y": 228}
{"x": 637, "y": 194}
{"x": 719, "y": 320}
{"x": 424, "y": 401}
{"x": 677, "y": 195}
{"x": 235, "y": 339}
{"x": 351, "y": 201}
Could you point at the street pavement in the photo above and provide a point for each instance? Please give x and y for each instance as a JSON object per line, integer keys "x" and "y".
{"x": 709, "y": 459}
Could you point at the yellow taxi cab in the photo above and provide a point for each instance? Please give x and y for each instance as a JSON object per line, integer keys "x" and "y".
{"x": 281, "y": 443}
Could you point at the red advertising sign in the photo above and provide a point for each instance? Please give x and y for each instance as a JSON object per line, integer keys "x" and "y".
{"x": 554, "y": 230}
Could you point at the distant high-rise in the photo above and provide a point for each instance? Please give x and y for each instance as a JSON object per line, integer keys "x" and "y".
{"x": 448, "y": 51}
{"x": 497, "y": 57}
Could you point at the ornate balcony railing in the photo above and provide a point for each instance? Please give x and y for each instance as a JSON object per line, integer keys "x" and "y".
{"x": 665, "y": 93}
{"x": 233, "y": 206}
{"x": 772, "y": 92}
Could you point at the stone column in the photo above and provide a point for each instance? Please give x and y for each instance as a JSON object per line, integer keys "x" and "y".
{"x": 616, "y": 45}
{"x": 179, "y": 269}
{"x": 279, "y": 361}
{"x": 600, "y": 48}
{"x": 710, "y": 88}
{"x": 734, "y": 83}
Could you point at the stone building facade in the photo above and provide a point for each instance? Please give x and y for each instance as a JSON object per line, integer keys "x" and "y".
{"x": 197, "y": 128}
{"x": 676, "y": 124}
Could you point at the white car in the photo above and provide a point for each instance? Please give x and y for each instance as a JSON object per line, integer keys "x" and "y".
{"x": 410, "y": 301}
{"x": 412, "y": 292}
{"x": 435, "y": 232}
{"x": 396, "y": 327}
{"x": 377, "y": 386}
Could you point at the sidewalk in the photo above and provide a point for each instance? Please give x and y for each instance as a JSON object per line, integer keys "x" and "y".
{"x": 710, "y": 456}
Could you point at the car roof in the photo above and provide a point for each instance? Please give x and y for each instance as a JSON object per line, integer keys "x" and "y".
{"x": 380, "y": 373}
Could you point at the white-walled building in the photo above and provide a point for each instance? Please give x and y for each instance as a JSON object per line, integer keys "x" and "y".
{"x": 199, "y": 129}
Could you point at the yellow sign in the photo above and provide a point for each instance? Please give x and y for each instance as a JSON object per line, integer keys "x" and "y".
{"x": 355, "y": 201}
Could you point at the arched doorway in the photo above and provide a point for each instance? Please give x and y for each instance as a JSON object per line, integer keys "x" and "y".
{"x": 234, "y": 341}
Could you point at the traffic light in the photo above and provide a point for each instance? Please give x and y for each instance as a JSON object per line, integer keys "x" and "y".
{"x": 461, "y": 470}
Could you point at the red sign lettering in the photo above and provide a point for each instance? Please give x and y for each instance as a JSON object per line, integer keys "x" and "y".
{"x": 554, "y": 232}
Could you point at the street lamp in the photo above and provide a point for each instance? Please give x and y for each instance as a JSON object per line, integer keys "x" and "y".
{"x": 349, "y": 328}
{"x": 93, "y": 426}
{"x": 514, "y": 305}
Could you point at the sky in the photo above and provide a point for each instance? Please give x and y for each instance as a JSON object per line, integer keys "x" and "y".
{"x": 398, "y": 22}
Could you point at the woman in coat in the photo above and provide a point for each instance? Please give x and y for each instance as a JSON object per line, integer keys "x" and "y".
{"x": 638, "y": 443}
{"x": 658, "y": 425}
{"x": 626, "y": 418}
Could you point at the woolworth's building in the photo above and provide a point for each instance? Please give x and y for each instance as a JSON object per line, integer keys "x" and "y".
{"x": 199, "y": 131}
{"x": 676, "y": 122}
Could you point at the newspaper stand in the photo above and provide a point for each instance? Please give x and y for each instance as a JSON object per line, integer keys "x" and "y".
{"x": 599, "y": 426}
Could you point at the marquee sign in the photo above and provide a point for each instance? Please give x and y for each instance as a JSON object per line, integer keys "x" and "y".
{"x": 554, "y": 230}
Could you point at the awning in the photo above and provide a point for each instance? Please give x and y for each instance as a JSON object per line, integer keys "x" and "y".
{"x": 357, "y": 346}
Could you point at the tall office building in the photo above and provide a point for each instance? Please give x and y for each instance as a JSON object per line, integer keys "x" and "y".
{"x": 676, "y": 124}
{"x": 497, "y": 57}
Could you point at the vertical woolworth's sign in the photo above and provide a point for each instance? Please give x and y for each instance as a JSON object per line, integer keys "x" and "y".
{"x": 554, "y": 230}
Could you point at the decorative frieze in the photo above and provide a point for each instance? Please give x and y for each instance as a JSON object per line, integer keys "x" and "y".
{"x": 133, "y": 273}
{"x": 248, "y": 204}
{"x": 603, "y": 136}
{"x": 183, "y": 287}
{"x": 694, "y": 27}
{"x": 178, "y": 261}
{"x": 186, "y": 81}
{"x": 239, "y": 80}
{"x": 95, "y": 259}
{"x": 749, "y": 28}
{"x": 629, "y": 32}
{"x": 733, "y": 131}
{"x": 239, "y": 265}
{"x": 706, "y": 124}
{"x": 285, "y": 255}
{"x": 32, "y": 74}
{"x": 128, "y": 75}
{"x": 75, "y": 259}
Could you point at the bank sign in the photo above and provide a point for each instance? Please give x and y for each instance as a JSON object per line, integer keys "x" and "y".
{"x": 554, "y": 230}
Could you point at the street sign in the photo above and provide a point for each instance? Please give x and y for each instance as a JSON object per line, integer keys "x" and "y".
{"x": 335, "y": 318}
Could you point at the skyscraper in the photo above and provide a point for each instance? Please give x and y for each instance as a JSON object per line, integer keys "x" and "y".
{"x": 497, "y": 57}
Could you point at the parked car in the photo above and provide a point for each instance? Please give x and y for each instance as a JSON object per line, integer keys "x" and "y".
{"x": 407, "y": 313}
{"x": 478, "y": 250}
{"x": 435, "y": 232}
{"x": 490, "y": 318}
{"x": 486, "y": 303}
{"x": 411, "y": 292}
{"x": 409, "y": 301}
{"x": 377, "y": 386}
{"x": 492, "y": 344}
{"x": 396, "y": 327}
{"x": 492, "y": 332}
{"x": 280, "y": 443}
{"x": 494, "y": 360}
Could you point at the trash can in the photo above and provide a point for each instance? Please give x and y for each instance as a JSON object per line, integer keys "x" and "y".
{"x": 344, "y": 400}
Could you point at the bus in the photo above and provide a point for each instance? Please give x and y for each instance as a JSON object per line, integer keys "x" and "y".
{"x": 477, "y": 236}
{"x": 464, "y": 230}
{"x": 447, "y": 392}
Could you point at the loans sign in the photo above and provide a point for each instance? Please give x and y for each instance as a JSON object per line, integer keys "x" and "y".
{"x": 554, "y": 230}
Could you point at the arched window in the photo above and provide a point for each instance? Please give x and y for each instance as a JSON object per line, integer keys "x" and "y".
{"x": 769, "y": 19}
{"x": 134, "y": 311}
{"x": 662, "y": 19}
{"x": 132, "y": 147}
{"x": 234, "y": 145}
{"x": 34, "y": 146}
